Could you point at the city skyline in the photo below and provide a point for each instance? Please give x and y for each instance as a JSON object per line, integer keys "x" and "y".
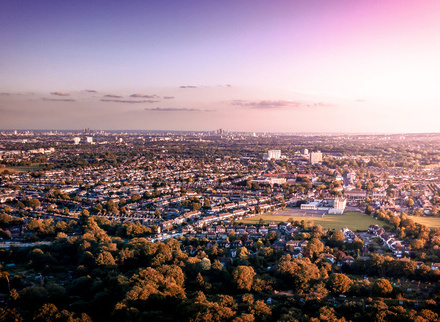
{"x": 306, "y": 66}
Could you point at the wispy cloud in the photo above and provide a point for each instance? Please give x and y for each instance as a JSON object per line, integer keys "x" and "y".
{"x": 188, "y": 86}
{"x": 90, "y": 91}
{"x": 168, "y": 97}
{"x": 5, "y": 94}
{"x": 266, "y": 104}
{"x": 173, "y": 109}
{"x": 128, "y": 101}
{"x": 60, "y": 94}
{"x": 278, "y": 104}
{"x": 320, "y": 104}
{"x": 47, "y": 99}
{"x": 360, "y": 100}
{"x": 112, "y": 96}
{"x": 144, "y": 96}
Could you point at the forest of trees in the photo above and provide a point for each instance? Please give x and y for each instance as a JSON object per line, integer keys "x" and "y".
{"x": 99, "y": 274}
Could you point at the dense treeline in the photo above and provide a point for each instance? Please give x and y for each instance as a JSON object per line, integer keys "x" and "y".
{"x": 97, "y": 274}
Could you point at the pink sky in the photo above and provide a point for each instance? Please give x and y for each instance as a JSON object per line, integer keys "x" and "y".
{"x": 291, "y": 66}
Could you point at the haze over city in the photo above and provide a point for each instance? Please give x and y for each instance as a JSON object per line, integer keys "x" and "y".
{"x": 274, "y": 66}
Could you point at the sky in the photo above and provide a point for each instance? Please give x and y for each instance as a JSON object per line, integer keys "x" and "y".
{"x": 240, "y": 65}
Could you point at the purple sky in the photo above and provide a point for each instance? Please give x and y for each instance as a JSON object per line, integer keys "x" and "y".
{"x": 281, "y": 66}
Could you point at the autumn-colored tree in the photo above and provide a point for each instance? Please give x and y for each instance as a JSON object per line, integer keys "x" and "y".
{"x": 382, "y": 287}
{"x": 243, "y": 277}
{"x": 315, "y": 246}
{"x": 339, "y": 283}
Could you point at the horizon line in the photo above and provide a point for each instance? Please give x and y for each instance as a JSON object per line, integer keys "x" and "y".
{"x": 225, "y": 131}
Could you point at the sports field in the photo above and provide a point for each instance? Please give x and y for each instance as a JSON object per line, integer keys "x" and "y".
{"x": 34, "y": 167}
{"x": 352, "y": 220}
{"x": 431, "y": 222}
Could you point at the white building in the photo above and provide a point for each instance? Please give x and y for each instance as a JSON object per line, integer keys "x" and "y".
{"x": 273, "y": 154}
{"x": 332, "y": 206}
{"x": 270, "y": 181}
{"x": 89, "y": 139}
{"x": 338, "y": 206}
{"x": 76, "y": 140}
{"x": 315, "y": 157}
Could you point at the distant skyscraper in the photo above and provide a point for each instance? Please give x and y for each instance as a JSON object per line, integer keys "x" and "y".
{"x": 304, "y": 151}
{"x": 315, "y": 157}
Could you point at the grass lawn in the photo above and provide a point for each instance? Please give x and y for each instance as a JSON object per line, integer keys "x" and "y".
{"x": 352, "y": 220}
{"x": 431, "y": 222}
{"x": 33, "y": 167}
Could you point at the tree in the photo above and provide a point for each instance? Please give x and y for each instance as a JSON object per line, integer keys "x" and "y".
{"x": 418, "y": 243}
{"x": 327, "y": 314}
{"x": 272, "y": 236}
{"x": 105, "y": 258}
{"x": 339, "y": 283}
{"x": 207, "y": 203}
{"x": 410, "y": 202}
{"x": 5, "y": 275}
{"x": 206, "y": 264}
{"x": 296, "y": 273}
{"x": 255, "y": 186}
{"x": 338, "y": 236}
{"x": 395, "y": 220}
{"x": 243, "y": 277}
{"x": 315, "y": 246}
{"x": 34, "y": 203}
{"x": 382, "y": 287}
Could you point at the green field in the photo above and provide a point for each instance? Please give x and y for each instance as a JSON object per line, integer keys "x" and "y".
{"x": 431, "y": 222}
{"x": 34, "y": 167}
{"x": 352, "y": 220}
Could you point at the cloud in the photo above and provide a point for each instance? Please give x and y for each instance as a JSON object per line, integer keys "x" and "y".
{"x": 168, "y": 97}
{"x": 144, "y": 96}
{"x": 173, "y": 109}
{"x": 128, "y": 101}
{"x": 5, "y": 94}
{"x": 47, "y": 99}
{"x": 206, "y": 86}
{"x": 360, "y": 100}
{"x": 90, "y": 91}
{"x": 266, "y": 104}
{"x": 320, "y": 104}
{"x": 60, "y": 94}
{"x": 113, "y": 96}
{"x": 269, "y": 104}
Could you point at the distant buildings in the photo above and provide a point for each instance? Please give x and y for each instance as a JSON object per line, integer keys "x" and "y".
{"x": 76, "y": 140}
{"x": 272, "y": 154}
{"x": 89, "y": 139}
{"x": 304, "y": 151}
{"x": 315, "y": 157}
{"x": 270, "y": 181}
{"x": 332, "y": 206}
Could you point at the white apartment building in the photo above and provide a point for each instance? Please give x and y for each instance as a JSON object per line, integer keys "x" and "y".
{"x": 273, "y": 154}
{"x": 315, "y": 157}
